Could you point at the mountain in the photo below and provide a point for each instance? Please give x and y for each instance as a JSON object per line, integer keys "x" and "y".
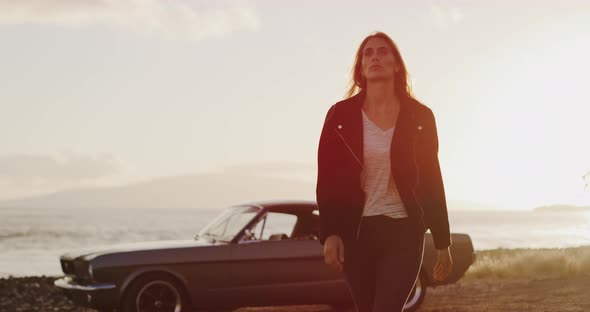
{"x": 213, "y": 190}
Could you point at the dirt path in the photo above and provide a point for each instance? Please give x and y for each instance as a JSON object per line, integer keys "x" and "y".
{"x": 547, "y": 294}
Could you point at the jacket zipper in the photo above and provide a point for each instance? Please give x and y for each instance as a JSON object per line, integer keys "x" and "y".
{"x": 353, "y": 154}
{"x": 417, "y": 176}
{"x": 358, "y": 229}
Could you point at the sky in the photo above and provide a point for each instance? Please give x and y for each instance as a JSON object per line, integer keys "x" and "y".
{"x": 109, "y": 92}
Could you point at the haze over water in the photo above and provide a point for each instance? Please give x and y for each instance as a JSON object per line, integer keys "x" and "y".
{"x": 39, "y": 236}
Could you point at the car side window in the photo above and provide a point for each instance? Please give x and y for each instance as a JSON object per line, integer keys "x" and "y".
{"x": 276, "y": 224}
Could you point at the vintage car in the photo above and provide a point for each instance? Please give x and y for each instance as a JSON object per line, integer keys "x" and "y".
{"x": 253, "y": 254}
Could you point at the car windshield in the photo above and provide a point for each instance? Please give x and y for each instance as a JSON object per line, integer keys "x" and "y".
{"x": 226, "y": 225}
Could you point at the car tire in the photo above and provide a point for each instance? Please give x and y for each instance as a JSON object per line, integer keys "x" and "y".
{"x": 155, "y": 290}
{"x": 417, "y": 295}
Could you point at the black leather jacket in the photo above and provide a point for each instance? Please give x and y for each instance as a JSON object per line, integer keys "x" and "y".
{"x": 414, "y": 166}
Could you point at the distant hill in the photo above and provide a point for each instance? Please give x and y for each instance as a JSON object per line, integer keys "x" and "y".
{"x": 562, "y": 208}
{"x": 213, "y": 190}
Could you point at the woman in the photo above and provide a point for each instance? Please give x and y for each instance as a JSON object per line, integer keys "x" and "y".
{"x": 379, "y": 185}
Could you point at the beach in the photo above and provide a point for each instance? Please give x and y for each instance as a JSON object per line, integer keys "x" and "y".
{"x": 556, "y": 279}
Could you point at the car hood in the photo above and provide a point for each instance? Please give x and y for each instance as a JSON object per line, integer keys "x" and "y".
{"x": 132, "y": 247}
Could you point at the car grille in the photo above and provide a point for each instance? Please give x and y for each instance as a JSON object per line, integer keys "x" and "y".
{"x": 68, "y": 267}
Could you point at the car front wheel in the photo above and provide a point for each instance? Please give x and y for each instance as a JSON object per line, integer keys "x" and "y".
{"x": 155, "y": 292}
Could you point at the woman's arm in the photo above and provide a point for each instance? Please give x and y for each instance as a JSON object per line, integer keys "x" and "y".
{"x": 434, "y": 203}
{"x": 326, "y": 192}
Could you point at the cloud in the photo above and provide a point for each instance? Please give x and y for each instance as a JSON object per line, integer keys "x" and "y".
{"x": 23, "y": 169}
{"x": 152, "y": 18}
{"x": 444, "y": 17}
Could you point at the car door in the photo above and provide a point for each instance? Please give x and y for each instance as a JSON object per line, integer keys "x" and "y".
{"x": 276, "y": 268}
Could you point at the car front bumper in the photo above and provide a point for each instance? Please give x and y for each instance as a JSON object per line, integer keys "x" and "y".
{"x": 98, "y": 295}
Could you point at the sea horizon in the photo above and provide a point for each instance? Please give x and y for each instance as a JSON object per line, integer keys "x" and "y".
{"x": 41, "y": 235}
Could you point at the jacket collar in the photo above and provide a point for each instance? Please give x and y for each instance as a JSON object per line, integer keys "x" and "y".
{"x": 353, "y": 131}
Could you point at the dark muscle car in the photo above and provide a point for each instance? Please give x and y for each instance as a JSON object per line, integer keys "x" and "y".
{"x": 253, "y": 254}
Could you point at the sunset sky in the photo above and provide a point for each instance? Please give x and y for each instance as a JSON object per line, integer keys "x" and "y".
{"x": 107, "y": 92}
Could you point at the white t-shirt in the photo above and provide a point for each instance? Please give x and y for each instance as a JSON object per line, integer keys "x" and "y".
{"x": 381, "y": 195}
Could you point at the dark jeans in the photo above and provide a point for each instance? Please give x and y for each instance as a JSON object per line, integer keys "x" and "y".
{"x": 382, "y": 267}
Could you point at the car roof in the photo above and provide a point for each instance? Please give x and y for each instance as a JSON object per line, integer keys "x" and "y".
{"x": 286, "y": 205}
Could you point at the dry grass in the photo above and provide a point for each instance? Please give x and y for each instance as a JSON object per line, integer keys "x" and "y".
{"x": 527, "y": 263}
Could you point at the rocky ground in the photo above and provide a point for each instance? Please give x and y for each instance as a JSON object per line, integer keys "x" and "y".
{"x": 496, "y": 294}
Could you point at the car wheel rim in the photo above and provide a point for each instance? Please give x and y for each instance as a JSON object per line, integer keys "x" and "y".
{"x": 158, "y": 296}
{"x": 415, "y": 295}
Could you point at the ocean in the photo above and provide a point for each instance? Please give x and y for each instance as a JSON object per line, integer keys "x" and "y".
{"x": 31, "y": 240}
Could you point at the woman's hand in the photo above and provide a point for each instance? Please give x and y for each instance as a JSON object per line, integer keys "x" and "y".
{"x": 334, "y": 252}
{"x": 444, "y": 265}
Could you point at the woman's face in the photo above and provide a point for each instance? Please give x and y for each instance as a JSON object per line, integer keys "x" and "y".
{"x": 378, "y": 62}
